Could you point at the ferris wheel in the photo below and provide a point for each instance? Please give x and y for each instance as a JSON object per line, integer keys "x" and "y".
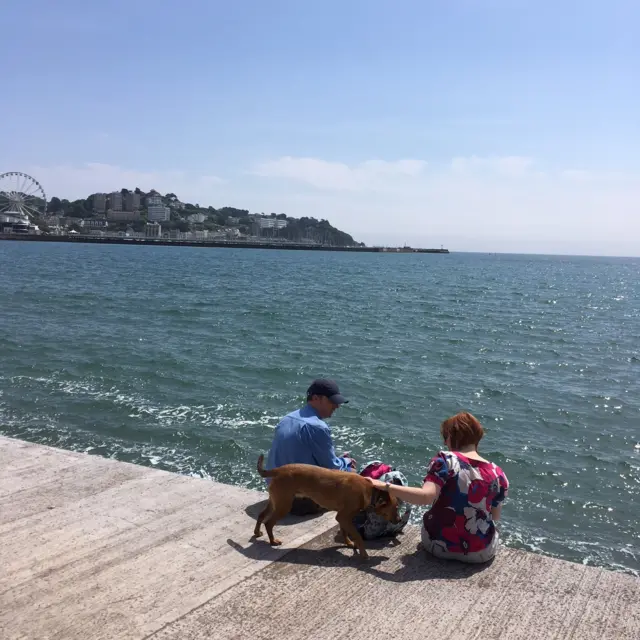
{"x": 21, "y": 196}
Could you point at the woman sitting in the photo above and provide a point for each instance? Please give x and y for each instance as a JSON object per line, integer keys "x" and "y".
{"x": 466, "y": 492}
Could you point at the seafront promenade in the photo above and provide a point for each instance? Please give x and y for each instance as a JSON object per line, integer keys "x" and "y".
{"x": 93, "y": 548}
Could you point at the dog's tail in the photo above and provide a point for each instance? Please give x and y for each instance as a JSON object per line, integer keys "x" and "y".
{"x": 265, "y": 473}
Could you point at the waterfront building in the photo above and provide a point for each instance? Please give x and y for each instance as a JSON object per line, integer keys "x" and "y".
{"x": 153, "y": 230}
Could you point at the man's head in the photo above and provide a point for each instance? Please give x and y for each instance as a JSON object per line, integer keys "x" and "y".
{"x": 325, "y": 397}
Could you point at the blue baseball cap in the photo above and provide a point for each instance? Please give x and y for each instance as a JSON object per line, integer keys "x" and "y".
{"x": 328, "y": 388}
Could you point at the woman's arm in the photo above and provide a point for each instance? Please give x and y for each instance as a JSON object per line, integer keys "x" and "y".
{"x": 495, "y": 512}
{"x": 425, "y": 495}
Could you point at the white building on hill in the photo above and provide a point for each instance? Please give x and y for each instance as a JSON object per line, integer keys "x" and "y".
{"x": 159, "y": 213}
{"x": 154, "y": 200}
{"x": 271, "y": 223}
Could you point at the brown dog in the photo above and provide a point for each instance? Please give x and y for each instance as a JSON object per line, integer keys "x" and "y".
{"x": 342, "y": 491}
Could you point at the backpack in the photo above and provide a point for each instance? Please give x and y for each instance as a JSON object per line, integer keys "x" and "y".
{"x": 368, "y": 523}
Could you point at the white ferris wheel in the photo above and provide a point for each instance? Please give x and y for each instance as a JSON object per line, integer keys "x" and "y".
{"x": 21, "y": 197}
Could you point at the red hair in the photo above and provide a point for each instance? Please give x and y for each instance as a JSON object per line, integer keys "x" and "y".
{"x": 462, "y": 430}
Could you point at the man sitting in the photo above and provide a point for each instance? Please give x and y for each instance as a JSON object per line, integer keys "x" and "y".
{"x": 304, "y": 437}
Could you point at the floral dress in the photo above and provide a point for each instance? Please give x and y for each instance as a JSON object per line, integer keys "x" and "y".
{"x": 459, "y": 525}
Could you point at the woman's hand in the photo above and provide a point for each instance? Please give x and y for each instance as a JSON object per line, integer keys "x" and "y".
{"x": 423, "y": 496}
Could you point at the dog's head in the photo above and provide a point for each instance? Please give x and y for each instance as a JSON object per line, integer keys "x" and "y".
{"x": 385, "y": 505}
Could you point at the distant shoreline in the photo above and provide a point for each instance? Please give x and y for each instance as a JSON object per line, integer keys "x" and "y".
{"x": 288, "y": 246}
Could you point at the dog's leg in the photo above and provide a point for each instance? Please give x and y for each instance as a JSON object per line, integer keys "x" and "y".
{"x": 346, "y": 524}
{"x": 265, "y": 513}
{"x": 279, "y": 510}
{"x": 346, "y": 538}
{"x": 345, "y": 535}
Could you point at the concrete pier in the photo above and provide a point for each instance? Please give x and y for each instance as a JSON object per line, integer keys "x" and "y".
{"x": 93, "y": 548}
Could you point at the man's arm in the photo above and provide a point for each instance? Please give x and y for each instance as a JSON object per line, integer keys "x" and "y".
{"x": 321, "y": 446}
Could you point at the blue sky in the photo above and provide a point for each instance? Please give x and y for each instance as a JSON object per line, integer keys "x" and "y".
{"x": 492, "y": 125}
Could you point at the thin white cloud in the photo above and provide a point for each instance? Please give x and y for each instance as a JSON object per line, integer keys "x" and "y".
{"x": 74, "y": 182}
{"x": 367, "y": 176}
{"x": 380, "y": 175}
{"x": 609, "y": 177}
{"x": 507, "y": 165}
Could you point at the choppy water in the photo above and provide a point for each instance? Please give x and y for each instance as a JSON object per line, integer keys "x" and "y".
{"x": 184, "y": 359}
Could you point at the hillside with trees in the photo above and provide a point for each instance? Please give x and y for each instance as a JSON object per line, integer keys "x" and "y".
{"x": 186, "y": 216}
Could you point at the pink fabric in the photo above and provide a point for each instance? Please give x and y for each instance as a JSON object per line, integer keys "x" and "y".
{"x": 375, "y": 470}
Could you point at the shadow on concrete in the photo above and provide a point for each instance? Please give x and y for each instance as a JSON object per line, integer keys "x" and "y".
{"x": 324, "y": 552}
{"x": 253, "y": 511}
{"x": 334, "y": 556}
{"x": 420, "y": 565}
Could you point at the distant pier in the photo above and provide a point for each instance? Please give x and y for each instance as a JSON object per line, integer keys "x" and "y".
{"x": 250, "y": 244}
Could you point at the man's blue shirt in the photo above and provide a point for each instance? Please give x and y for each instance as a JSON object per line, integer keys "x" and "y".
{"x": 302, "y": 437}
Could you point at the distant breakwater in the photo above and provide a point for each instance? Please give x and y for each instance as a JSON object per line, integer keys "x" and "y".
{"x": 291, "y": 246}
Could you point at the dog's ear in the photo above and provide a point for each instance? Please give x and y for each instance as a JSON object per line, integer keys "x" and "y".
{"x": 380, "y": 498}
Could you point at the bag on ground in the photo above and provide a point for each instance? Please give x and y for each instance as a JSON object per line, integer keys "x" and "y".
{"x": 369, "y": 524}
